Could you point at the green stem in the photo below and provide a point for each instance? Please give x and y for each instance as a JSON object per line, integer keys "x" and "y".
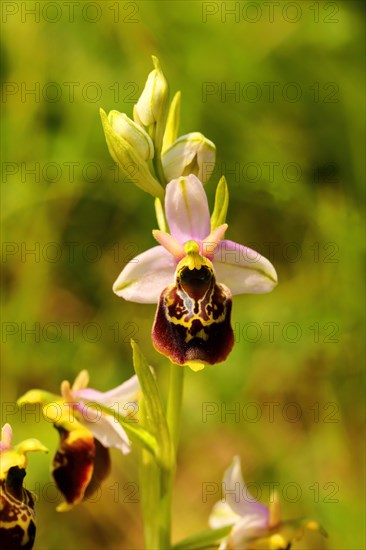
{"x": 174, "y": 408}
{"x": 175, "y": 398}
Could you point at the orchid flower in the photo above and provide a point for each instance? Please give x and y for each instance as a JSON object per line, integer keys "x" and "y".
{"x": 189, "y": 154}
{"x": 86, "y": 432}
{"x": 17, "y": 523}
{"x": 192, "y": 324}
{"x": 254, "y": 525}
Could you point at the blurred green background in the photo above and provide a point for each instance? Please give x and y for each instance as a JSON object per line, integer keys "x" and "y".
{"x": 290, "y": 140}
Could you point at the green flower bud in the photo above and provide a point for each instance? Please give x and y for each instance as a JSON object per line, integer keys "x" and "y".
{"x": 129, "y": 158}
{"x": 190, "y": 154}
{"x": 152, "y": 102}
{"x": 133, "y": 133}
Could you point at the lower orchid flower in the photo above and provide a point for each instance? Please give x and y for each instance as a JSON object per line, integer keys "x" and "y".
{"x": 86, "y": 432}
{"x": 193, "y": 275}
{"x": 254, "y": 526}
{"x": 17, "y": 518}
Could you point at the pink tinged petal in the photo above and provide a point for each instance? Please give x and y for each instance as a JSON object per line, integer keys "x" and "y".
{"x": 242, "y": 269}
{"x": 250, "y": 526}
{"x": 171, "y": 244}
{"x": 6, "y": 437}
{"x": 209, "y": 244}
{"x": 186, "y": 209}
{"x": 106, "y": 429}
{"x": 146, "y": 276}
{"x": 117, "y": 397}
{"x": 241, "y": 502}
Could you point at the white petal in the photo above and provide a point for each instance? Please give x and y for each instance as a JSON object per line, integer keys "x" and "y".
{"x": 106, "y": 429}
{"x": 222, "y": 515}
{"x": 242, "y": 269}
{"x": 186, "y": 209}
{"x": 146, "y": 276}
{"x": 238, "y": 497}
{"x": 117, "y": 397}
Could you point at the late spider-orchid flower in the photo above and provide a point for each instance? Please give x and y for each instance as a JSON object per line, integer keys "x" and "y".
{"x": 192, "y": 324}
{"x": 17, "y": 517}
{"x": 86, "y": 432}
{"x": 254, "y": 526}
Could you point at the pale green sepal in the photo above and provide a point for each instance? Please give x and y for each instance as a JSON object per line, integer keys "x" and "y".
{"x": 130, "y": 162}
{"x": 221, "y": 204}
{"x": 154, "y": 407}
{"x": 38, "y": 396}
{"x": 160, "y": 216}
{"x": 172, "y": 124}
{"x": 30, "y": 445}
{"x": 17, "y": 456}
{"x": 204, "y": 539}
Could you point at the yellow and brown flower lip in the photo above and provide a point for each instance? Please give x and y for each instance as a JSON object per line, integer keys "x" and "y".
{"x": 192, "y": 322}
{"x": 80, "y": 464}
{"x": 17, "y": 518}
{"x": 17, "y": 523}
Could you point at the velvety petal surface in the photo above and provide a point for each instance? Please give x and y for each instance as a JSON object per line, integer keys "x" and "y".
{"x": 242, "y": 269}
{"x": 187, "y": 209}
{"x": 146, "y": 276}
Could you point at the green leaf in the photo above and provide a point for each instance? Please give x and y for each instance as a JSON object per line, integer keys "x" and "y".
{"x": 204, "y": 539}
{"x": 221, "y": 204}
{"x": 155, "y": 417}
{"x": 149, "y": 478}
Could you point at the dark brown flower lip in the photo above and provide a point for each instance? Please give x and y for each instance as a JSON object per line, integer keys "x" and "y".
{"x": 187, "y": 329}
{"x": 73, "y": 464}
{"x": 80, "y": 464}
